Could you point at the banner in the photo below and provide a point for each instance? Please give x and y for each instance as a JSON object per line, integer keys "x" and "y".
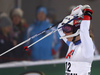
{"x": 51, "y": 67}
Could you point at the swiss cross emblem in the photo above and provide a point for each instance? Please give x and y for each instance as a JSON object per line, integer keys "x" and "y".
{"x": 69, "y": 54}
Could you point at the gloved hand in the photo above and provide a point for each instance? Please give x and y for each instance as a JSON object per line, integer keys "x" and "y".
{"x": 87, "y": 10}
{"x": 77, "y": 11}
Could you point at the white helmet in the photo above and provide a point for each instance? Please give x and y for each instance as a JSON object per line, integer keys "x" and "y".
{"x": 73, "y": 26}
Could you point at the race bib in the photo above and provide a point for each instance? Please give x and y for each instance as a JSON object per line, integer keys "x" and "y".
{"x": 77, "y": 68}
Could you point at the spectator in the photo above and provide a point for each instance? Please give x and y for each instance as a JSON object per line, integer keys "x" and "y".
{"x": 5, "y": 39}
{"x": 41, "y": 50}
{"x": 19, "y": 27}
{"x": 56, "y": 41}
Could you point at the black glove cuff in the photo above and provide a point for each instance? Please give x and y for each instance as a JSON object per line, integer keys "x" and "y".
{"x": 88, "y": 13}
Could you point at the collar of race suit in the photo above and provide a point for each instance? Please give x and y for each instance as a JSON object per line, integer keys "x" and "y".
{"x": 77, "y": 42}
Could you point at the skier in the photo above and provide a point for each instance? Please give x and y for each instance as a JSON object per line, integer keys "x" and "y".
{"x": 81, "y": 49}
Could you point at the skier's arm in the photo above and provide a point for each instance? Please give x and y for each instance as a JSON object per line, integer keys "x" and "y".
{"x": 87, "y": 43}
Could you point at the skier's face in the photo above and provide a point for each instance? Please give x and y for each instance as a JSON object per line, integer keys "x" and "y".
{"x": 69, "y": 39}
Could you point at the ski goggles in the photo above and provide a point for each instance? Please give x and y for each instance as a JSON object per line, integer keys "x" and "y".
{"x": 67, "y": 28}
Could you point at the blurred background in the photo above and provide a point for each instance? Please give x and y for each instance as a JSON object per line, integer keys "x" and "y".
{"x": 21, "y": 19}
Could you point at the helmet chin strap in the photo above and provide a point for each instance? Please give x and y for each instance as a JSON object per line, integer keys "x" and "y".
{"x": 74, "y": 38}
{"x": 73, "y": 35}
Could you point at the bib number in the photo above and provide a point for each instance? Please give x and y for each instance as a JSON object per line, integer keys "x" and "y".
{"x": 67, "y": 66}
